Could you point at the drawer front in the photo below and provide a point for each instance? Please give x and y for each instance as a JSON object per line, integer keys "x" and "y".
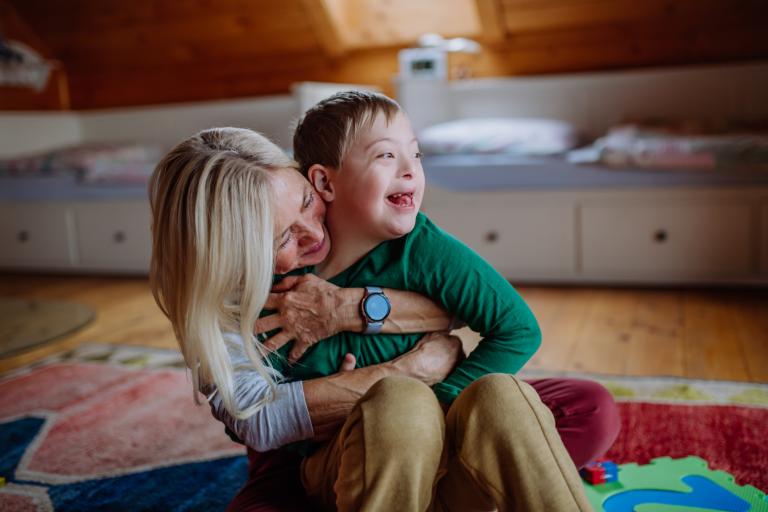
{"x": 667, "y": 240}
{"x": 520, "y": 241}
{"x": 35, "y": 234}
{"x": 114, "y": 236}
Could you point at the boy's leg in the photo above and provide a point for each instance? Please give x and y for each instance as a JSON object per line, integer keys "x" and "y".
{"x": 505, "y": 452}
{"x": 386, "y": 455}
{"x": 585, "y": 415}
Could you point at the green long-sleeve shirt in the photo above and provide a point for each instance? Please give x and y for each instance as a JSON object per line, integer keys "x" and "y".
{"x": 431, "y": 262}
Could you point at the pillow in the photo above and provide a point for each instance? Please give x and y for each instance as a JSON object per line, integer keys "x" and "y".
{"x": 504, "y": 135}
{"x": 92, "y": 163}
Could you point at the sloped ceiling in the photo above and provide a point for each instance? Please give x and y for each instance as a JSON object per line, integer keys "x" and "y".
{"x": 134, "y": 52}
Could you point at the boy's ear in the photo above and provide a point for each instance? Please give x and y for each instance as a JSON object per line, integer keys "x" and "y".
{"x": 320, "y": 178}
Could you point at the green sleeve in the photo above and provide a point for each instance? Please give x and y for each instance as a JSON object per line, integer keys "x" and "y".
{"x": 455, "y": 276}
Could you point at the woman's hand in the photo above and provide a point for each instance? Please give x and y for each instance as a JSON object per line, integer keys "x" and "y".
{"x": 309, "y": 309}
{"x": 330, "y": 399}
{"x": 432, "y": 359}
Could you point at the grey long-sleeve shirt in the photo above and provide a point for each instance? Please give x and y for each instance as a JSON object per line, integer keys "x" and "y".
{"x": 282, "y": 421}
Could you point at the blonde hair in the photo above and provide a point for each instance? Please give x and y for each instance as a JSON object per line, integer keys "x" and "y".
{"x": 326, "y": 131}
{"x": 213, "y": 250}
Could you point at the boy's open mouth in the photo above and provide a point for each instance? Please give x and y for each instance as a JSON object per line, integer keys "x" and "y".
{"x": 401, "y": 200}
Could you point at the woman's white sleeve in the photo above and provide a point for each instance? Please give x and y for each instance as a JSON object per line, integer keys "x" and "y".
{"x": 283, "y": 420}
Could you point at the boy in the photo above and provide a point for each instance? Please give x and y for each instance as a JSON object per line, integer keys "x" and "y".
{"x": 360, "y": 153}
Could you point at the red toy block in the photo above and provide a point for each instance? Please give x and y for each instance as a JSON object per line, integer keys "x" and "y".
{"x": 600, "y": 472}
{"x": 593, "y": 473}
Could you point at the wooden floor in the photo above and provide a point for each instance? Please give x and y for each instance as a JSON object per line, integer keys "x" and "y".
{"x": 710, "y": 334}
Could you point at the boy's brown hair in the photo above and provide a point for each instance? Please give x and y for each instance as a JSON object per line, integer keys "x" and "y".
{"x": 326, "y": 131}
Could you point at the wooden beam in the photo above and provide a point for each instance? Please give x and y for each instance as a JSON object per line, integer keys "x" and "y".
{"x": 325, "y": 19}
{"x": 491, "y": 17}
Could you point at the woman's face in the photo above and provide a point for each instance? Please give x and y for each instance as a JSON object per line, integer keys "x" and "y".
{"x": 300, "y": 236}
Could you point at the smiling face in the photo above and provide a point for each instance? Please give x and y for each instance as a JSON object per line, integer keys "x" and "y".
{"x": 380, "y": 186}
{"x": 300, "y": 235}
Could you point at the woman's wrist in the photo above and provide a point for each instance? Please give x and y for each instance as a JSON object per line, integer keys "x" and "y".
{"x": 348, "y": 309}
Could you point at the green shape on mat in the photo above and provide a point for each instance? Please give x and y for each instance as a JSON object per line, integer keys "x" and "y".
{"x": 682, "y": 392}
{"x": 665, "y": 474}
{"x": 751, "y": 396}
{"x": 619, "y": 391}
{"x": 140, "y": 361}
{"x": 102, "y": 357}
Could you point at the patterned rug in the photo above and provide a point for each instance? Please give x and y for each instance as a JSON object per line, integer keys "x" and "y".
{"x": 114, "y": 428}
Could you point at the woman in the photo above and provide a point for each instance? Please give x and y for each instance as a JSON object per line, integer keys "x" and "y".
{"x": 213, "y": 200}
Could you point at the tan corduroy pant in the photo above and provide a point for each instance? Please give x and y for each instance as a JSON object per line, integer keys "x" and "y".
{"x": 496, "y": 449}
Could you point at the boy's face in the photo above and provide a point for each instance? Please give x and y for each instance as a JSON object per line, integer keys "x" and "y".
{"x": 380, "y": 185}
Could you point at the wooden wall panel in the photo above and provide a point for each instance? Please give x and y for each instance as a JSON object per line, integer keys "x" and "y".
{"x": 377, "y": 23}
{"x": 122, "y": 53}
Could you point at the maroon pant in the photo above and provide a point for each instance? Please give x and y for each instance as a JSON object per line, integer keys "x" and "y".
{"x": 585, "y": 414}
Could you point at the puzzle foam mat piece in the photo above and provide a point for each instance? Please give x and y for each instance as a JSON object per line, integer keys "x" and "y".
{"x": 675, "y": 485}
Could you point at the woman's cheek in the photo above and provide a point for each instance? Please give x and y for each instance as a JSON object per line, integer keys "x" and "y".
{"x": 320, "y": 209}
{"x": 282, "y": 262}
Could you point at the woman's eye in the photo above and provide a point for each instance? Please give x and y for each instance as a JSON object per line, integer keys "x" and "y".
{"x": 310, "y": 200}
{"x": 284, "y": 242}
{"x": 387, "y": 155}
{"x": 417, "y": 155}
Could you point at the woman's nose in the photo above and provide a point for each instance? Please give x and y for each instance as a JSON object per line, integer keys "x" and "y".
{"x": 312, "y": 233}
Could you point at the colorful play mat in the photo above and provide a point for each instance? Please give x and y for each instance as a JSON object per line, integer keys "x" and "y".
{"x": 675, "y": 485}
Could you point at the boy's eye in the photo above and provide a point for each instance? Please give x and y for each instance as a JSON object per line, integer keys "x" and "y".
{"x": 417, "y": 155}
{"x": 387, "y": 155}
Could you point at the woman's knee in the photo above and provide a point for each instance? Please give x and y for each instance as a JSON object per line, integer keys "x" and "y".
{"x": 586, "y": 415}
{"x": 601, "y": 416}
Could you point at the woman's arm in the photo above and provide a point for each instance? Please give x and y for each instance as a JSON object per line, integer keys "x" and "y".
{"x": 331, "y": 399}
{"x": 315, "y": 408}
{"x": 310, "y": 309}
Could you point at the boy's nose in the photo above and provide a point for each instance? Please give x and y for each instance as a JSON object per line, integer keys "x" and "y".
{"x": 406, "y": 172}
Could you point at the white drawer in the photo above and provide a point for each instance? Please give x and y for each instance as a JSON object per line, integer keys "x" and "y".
{"x": 667, "y": 240}
{"x": 35, "y": 234}
{"x": 114, "y": 236}
{"x": 764, "y": 238}
{"x": 520, "y": 241}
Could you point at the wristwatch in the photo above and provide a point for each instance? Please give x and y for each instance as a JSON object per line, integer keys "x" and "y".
{"x": 374, "y": 308}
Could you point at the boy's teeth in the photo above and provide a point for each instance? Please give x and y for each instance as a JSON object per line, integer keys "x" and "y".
{"x": 401, "y": 199}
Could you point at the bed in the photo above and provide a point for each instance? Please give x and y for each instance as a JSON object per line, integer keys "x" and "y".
{"x": 544, "y": 218}
{"x": 91, "y": 214}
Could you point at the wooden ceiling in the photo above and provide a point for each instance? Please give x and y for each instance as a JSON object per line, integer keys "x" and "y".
{"x": 120, "y": 52}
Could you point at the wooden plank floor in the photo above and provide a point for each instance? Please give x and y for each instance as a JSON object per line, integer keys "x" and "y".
{"x": 710, "y": 334}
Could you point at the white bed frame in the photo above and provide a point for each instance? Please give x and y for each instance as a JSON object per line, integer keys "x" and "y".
{"x": 633, "y": 236}
{"x": 618, "y": 236}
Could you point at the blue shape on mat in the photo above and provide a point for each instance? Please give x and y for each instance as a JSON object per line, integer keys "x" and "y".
{"x": 199, "y": 486}
{"x": 15, "y": 437}
{"x": 704, "y": 494}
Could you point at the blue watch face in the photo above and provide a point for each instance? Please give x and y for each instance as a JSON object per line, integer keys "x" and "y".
{"x": 377, "y": 307}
